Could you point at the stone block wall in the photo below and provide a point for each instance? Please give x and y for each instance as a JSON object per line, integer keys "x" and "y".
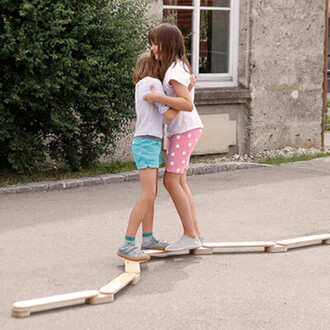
{"x": 282, "y": 46}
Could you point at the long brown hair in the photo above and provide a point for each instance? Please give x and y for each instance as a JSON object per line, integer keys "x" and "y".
{"x": 171, "y": 46}
{"x": 144, "y": 67}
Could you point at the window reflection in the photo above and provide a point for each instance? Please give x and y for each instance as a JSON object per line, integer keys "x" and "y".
{"x": 183, "y": 20}
{"x": 178, "y": 2}
{"x": 214, "y": 41}
{"x": 215, "y": 3}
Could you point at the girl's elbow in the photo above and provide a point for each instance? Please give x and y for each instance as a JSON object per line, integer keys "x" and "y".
{"x": 170, "y": 117}
{"x": 190, "y": 106}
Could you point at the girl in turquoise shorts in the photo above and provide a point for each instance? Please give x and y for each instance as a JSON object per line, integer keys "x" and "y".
{"x": 146, "y": 149}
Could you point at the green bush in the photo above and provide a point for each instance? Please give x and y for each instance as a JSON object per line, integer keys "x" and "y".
{"x": 327, "y": 117}
{"x": 66, "y": 69}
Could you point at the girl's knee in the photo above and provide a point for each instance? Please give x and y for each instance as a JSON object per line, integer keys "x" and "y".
{"x": 170, "y": 183}
{"x": 148, "y": 199}
{"x": 166, "y": 182}
{"x": 183, "y": 182}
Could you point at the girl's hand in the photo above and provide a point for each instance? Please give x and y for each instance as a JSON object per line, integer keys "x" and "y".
{"x": 152, "y": 97}
{"x": 192, "y": 82}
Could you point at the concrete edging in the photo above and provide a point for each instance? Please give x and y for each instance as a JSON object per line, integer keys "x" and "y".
{"x": 194, "y": 169}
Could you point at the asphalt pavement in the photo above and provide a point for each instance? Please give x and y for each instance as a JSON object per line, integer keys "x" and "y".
{"x": 64, "y": 241}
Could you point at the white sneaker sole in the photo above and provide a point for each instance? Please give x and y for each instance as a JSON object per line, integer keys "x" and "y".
{"x": 189, "y": 247}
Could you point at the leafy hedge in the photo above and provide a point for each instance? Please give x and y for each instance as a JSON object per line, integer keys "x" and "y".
{"x": 66, "y": 69}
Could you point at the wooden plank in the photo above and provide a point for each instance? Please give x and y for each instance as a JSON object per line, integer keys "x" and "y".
{"x": 100, "y": 299}
{"x": 135, "y": 280}
{"x": 132, "y": 266}
{"x": 20, "y": 312}
{"x": 118, "y": 283}
{"x": 305, "y": 240}
{"x": 163, "y": 253}
{"x": 276, "y": 248}
{"x": 215, "y": 245}
{"x": 201, "y": 251}
{"x": 157, "y": 253}
{"x": 152, "y": 252}
{"x": 55, "y": 299}
{"x": 23, "y": 308}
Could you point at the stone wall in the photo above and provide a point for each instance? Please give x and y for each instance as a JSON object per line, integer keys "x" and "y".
{"x": 279, "y": 99}
{"x": 285, "y": 51}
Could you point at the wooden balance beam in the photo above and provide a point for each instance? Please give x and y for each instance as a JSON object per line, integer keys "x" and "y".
{"x": 104, "y": 295}
{"x": 304, "y": 241}
{"x": 132, "y": 273}
{"x": 208, "y": 248}
{"x": 25, "y": 307}
{"x": 107, "y": 292}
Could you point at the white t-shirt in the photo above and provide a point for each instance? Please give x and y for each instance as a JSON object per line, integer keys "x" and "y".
{"x": 149, "y": 119}
{"x": 185, "y": 120}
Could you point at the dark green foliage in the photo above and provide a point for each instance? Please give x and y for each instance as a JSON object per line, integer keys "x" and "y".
{"x": 66, "y": 69}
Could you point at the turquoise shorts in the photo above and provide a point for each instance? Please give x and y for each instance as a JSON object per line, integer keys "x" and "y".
{"x": 146, "y": 152}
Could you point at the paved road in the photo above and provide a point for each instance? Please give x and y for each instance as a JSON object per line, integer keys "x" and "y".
{"x": 65, "y": 241}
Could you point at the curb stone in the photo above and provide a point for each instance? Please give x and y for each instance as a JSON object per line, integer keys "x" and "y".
{"x": 56, "y": 185}
{"x": 232, "y": 166}
{"x": 112, "y": 178}
{"x": 194, "y": 169}
{"x": 131, "y": 176}
{"x": 198, "y": 168}
{"x": 73, "y": 183}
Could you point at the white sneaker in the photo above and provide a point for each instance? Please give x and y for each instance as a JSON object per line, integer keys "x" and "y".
{"x": 184, "y": 243}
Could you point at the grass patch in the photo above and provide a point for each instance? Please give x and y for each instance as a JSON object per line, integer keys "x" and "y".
{"x": 11, "y": 178}
{"x": 327, "y": 117}
{"x": 291, "y": 159}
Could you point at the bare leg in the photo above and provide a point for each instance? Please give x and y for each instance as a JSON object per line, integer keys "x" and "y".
{"x": 148, "y": 179}
{"x": 184, "y": 185}
{"x": 181, "y": 202}
{"x": 148, "y": 219}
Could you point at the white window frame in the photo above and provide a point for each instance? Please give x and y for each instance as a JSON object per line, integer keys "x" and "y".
{"x": 214, "y": 79}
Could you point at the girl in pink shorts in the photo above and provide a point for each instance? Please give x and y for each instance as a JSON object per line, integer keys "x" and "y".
{"x": 179, "y": 149}
{"x": 168, "y": 48}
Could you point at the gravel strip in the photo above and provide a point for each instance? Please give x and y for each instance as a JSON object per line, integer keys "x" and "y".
{"x": 286, "y": 152}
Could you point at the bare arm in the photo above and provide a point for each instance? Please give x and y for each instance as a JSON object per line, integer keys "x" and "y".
{"x": 170, "y": 114}
{"x": 181, "y": 102}
{"x": 192, "y": 82}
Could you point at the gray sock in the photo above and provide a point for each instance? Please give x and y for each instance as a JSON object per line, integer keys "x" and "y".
{"x": 146, "y": 240}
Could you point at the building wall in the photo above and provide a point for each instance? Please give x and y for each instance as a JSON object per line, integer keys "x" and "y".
{"x": 279, "y": 99}
{"x": 285, "y": 73}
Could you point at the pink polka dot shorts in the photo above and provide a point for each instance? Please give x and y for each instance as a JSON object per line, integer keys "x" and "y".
{"x": 179, "y": 149}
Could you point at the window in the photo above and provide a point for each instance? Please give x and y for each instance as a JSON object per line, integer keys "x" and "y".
{"x": 211, "y": 31}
